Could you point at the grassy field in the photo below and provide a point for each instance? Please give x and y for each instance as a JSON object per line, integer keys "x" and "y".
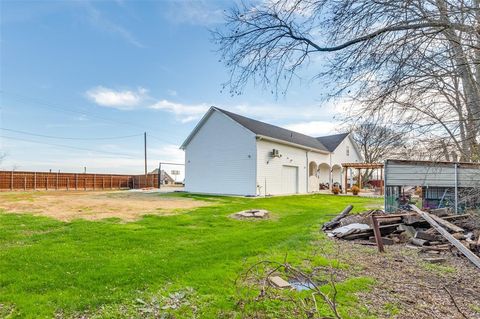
{"x": 110, "y": 268}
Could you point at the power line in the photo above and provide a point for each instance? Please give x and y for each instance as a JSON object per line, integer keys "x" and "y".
{"x": 70, "y": 138}
{"x": 160, "y": 139}
{"x": 44, "y": 104}
{"x": 68, "y": 146}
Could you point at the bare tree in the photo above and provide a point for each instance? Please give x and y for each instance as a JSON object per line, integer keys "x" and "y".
{"x": 416, "y": 61}
{"x": 377, "y": 142}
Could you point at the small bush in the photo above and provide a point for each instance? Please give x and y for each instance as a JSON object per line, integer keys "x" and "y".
{"x": 355, "y": 190}
{"x": 336, "y": 190}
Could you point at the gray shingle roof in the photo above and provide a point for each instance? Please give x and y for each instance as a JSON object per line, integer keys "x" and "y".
{"x": 269, "y": 130}
{"x": 331, "y": 142}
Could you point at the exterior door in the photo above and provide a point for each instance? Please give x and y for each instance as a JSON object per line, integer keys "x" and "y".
{"x": 289, "y": 179}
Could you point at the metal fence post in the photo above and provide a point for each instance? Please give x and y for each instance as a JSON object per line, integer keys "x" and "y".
{"x": 456, "y": 188}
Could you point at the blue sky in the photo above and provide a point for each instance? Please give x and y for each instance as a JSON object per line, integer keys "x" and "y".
{"x": 79, "y": 75}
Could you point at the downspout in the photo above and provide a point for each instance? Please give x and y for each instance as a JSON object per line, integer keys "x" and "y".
{"x": 330, "y": 178}
{"x": 257, "y": 180}
{"x": 307, "y": 170}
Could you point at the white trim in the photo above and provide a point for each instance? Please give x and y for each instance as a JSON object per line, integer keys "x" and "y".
{"x": 202, "y": 122}
{"x": 267, "y": 138}
{"x": 197, "y": 127}
{"x": 355, "y": 146}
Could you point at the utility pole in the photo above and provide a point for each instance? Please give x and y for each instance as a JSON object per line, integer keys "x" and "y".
{"x": 145, "y": 150}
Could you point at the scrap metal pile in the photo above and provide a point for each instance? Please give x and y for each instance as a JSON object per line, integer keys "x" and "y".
{"x": 435, "y": 232}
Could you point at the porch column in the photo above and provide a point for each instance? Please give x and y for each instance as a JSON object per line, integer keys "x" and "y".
{"x": 360, "y": 178}
{"x": 346, "y": 179}
{"x": 330, "y": 179}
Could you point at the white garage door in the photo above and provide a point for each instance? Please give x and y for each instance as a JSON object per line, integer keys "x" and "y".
{"x": 289, "y": 179}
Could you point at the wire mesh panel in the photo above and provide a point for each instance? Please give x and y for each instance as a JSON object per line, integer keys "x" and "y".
{"x": 443, "y": 184}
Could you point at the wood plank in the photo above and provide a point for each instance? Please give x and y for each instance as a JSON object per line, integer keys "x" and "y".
{"x": 464, "y": 250}
{"x": 424, "y": 235}
{"x": 455, "y": 217}
{"x": 447, "y": 224}
{"x": 376, "y": 232}
{"x": 334, "y": 222}
{"x": 279, "y": 282}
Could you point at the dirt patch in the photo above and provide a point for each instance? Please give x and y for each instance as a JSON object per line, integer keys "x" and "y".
{"x": 67, "y": 206}
{"x": 407, "y": 286}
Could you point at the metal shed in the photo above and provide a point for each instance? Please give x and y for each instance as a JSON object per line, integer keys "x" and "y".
{"x": 443, "y": 184}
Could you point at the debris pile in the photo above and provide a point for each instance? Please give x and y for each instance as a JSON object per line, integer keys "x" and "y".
{"x": 435, "y": 232}
{"x": 251, "y": 214}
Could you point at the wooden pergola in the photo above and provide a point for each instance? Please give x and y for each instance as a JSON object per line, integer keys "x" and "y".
{"x": 359, "y": 167}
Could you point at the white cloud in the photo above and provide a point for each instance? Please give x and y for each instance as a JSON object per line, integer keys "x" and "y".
{"x": 268, "y": 113}
{"x": 123, "y": 100}
{"x": 195, "y": 12}
{"x": 99, "y": 20}
{"x": 172, "y": 92}
{"x": 168, "y": 153}
{"x": 187, "y": 112}
{"x": 313, "y": 128}
{"x": 183, "y": 112}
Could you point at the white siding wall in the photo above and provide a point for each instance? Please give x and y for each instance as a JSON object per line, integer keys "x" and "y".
{"x": 340, "y": 156}
{"x": 269, "y": 170}
{"x": 221, "y": 158}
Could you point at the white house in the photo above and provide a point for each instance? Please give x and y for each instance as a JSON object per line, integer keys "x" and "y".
{"x": 228, "y": 153}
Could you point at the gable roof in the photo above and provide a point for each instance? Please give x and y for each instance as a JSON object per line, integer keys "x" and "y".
{"x": 276, "y": 132}
{"x": 324, "y": 143}
{"x": 331, "y": 142}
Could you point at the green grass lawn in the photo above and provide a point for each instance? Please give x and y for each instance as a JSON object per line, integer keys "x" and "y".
{"x": 49, "y": 267}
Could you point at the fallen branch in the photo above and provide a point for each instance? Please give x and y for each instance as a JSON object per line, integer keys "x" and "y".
{"x": 454, "y": 302}
{"x": 272, "y": 267}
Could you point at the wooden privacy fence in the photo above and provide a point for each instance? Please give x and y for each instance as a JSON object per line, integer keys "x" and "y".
{"x": 17, "y": 180}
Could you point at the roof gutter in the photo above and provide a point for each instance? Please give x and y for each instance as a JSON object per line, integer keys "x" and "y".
{"x": 311, "y": 149}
